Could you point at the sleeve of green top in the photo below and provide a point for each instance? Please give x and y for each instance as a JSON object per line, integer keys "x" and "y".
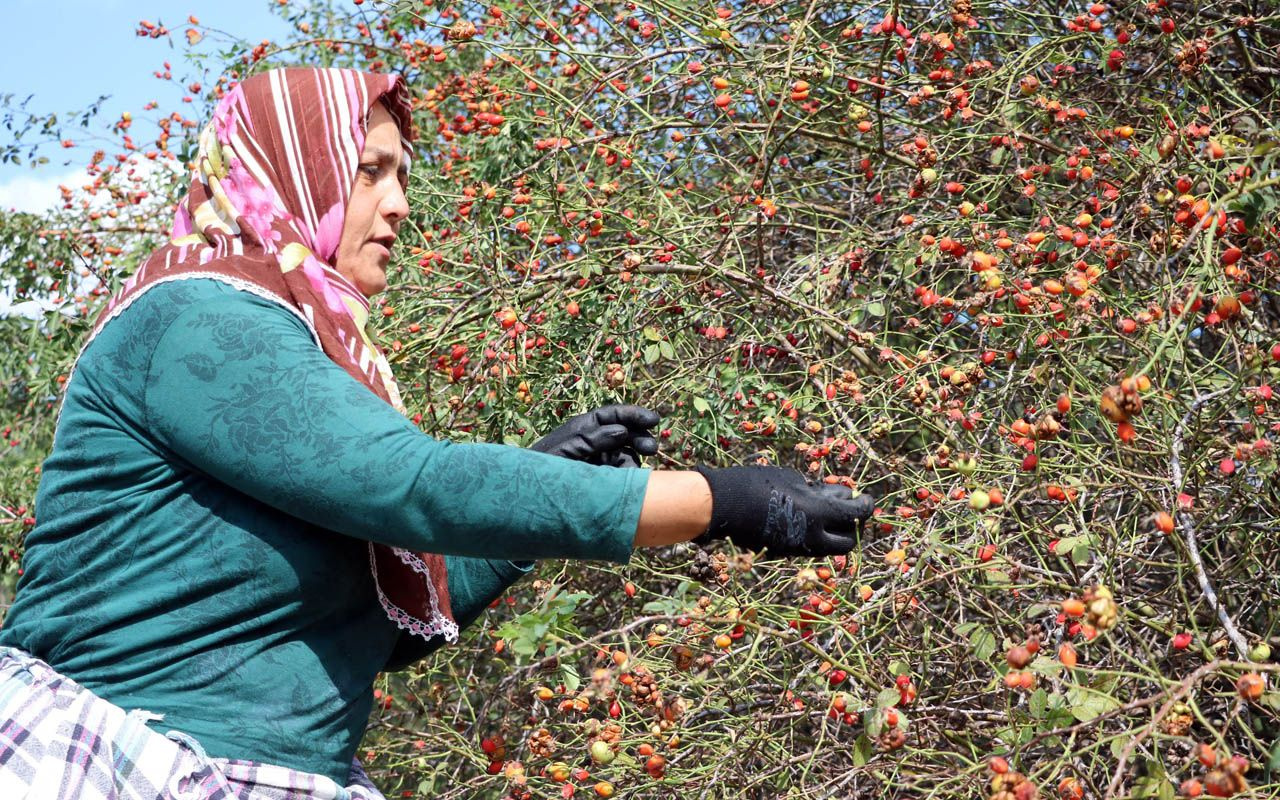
{"x": 237, "y": 389}
{"x": 474, "y": 583}
{"x": 477, "y": 582}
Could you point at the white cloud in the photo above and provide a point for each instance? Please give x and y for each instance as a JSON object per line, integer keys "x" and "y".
{"x": 34, "y": 310}
{"x": 38, "y": 192}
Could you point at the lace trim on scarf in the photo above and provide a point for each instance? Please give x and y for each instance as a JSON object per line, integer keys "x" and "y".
{"x": 438, "y": 625}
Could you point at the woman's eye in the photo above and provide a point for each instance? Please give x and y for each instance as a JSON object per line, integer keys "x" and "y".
{"x": 371, "y": 170}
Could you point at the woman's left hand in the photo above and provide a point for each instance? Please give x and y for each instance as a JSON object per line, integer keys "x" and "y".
{"x": 612, "y": 436}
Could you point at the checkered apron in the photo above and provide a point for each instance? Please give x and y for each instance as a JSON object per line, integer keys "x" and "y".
{"x": 60, "y": 741}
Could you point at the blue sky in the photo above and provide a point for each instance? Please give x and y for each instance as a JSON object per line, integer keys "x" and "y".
{"x": 67, "y": 53}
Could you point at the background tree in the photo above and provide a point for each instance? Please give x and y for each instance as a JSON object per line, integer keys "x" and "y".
{"x": 1010, "y": 267}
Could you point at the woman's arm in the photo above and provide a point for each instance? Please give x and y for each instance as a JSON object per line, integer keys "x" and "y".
{"x": 677, "y": 508}
{"x": 237, "y": 390}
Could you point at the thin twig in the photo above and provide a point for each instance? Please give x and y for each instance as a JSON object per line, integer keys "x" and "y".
{"x": 1189, "y": 530}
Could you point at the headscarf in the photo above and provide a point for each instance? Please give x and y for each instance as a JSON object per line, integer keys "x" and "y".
{"x": 264, "y": 212}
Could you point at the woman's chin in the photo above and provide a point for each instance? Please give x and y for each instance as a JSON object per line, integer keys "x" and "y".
{"x": 375, "y": 282}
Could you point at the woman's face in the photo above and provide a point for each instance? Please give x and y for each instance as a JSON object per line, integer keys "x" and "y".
{"x": 377, "y": 206}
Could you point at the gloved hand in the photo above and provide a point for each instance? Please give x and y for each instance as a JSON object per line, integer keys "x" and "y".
{"x": 611, "y": 436}
{"x": 758, "y": 507}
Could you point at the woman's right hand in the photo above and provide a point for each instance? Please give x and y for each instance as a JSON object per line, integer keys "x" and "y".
{"x": 610, "y": 436}
{"x": 778, "y": 509}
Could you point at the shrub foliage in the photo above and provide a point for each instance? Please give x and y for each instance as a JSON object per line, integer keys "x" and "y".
{"x": 1009, "y": 266}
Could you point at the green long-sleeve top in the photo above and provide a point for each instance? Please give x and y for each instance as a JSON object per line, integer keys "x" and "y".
{"x": 200, "y": 548}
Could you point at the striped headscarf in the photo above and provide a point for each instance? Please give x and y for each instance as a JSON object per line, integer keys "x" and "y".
{"x": 264, "y": 212}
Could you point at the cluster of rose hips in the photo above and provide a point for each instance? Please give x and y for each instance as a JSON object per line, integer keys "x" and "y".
{"x": 1224, "y": 777}
{"x": 848, "y": 385}
{"x": 1028, "y": 431}
{"x": 1260, "y": 448}
{"x": 1122, "y": 401}
{"x": 840, "y": 710}
{"x": 495, "y": 749}
{"x": 604, "y": 737}
{"x": 961, "y": 379}
{"x": 839, "y": 449}
{"x": 1094, "y": 612}
{"x": 148, "y": 29}
{"x": 1178, "y": 721}
{"x": 708, "y": 567}
{"x": 1018, "y": 657}
{"x": 822, "y": 599}
{"x": 559, "y": 772}
{"x": 892, "y": 737}
{"x": 1008, "y": 784}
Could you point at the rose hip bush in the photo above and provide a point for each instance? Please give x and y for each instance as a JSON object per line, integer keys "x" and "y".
{"x": 1008, "y": 266}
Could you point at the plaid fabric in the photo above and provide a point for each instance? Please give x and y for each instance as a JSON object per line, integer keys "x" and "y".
{"x": 60, "y": 741}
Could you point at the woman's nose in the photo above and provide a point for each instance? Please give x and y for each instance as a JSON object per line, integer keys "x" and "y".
{"x": 395, "y": 204}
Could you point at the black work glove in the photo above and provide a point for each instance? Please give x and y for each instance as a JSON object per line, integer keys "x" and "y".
{"x": 610, "y": 436}
{"x": 758, "y": 507}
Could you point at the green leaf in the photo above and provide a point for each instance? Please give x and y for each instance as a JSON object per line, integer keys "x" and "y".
{"x": 1253, "y": 206}
{"x": 1066, "y": 544}
{"x": 701, "y": 405}
{"x": 803, "y": 403}
{"x": 984, "y": 643}
{"x": 667, "y": 350}
{"x": 652, "y": 353}
{"x": 673, "y": 604}
{"x": 570, "y": 677}
{"x": 1075, "y": 547}
{"x": 1273, "y": 763}
{"x": 996, "y": 577}
{"x": 862, "y": 750}
{"x": 1040, "y": 609}
{"x": 528, "y": 632}
{"x": 1044, "y": 665}
{"x": 1086, "y": 704}
{"x": 625, "y": 761}
{"x": 874, "y": 724}
{"x": 1080, "y": 554}
{"x": 651, "y": 333}
{"x": 1154, "y": 782}
{"x": 566, "y": 604}
{"x": 888, "y": 698}
{"x": 875, "y": 308}
{"x": 1038, "y": 703}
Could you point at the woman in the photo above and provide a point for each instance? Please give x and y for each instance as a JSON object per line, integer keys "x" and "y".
{"x": 238, "y": 529}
